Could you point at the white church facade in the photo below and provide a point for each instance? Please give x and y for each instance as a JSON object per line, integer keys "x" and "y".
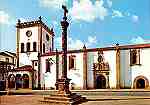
{"x": 98, "y": 68}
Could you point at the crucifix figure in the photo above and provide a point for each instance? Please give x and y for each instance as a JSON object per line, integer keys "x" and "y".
{"x": 65, "y": 12}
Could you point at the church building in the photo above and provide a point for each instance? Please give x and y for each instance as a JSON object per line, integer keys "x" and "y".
{"x": 100, "y": 68}
{"x": 40, "y": 65}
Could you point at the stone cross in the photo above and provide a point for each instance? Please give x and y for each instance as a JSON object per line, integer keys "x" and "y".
{"x": 65, "y": 12}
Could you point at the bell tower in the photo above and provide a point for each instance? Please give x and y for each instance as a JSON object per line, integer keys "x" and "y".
{"x": 33, "y": 38}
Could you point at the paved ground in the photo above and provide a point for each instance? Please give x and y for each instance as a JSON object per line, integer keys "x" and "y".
{"x": 119, "y": 102}
{"x": 97, "y": 100}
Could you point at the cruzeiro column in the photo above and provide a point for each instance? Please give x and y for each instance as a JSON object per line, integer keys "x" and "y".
{"x": 63, "y": 83}
{"x": 63, "y": 96}
{"x": 64, "y": 25}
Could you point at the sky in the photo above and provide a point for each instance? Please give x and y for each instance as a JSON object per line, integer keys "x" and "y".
{"x": 95, "y": 23}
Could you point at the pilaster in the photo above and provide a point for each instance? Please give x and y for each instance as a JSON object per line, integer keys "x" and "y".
{"x": 117, "y": 66}
{"x": 57, "y": 69}
{"x": 84, "y": 68}
{"x": 17, "y": 44}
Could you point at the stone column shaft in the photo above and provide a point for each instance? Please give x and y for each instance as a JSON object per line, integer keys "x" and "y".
{"x": 117, "y": 67}
{"x": 85, "y": 69}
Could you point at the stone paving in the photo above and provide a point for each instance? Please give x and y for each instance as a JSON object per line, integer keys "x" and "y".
{"x": 34, "y": 100}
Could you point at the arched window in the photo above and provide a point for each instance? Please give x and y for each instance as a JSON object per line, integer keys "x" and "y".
{"x": 28, "y": 46}
{"x": 135, "y": 57}
{"x": 22, "y": 47}
{"x": 43, "y": 48}
{"x": 34, "y": 46}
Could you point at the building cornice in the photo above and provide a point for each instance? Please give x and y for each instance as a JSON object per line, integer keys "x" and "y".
{"x": 124, "y": 47}
{"x": 33, "y": 24}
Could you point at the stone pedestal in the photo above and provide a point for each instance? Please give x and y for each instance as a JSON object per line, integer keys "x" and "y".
{"x": 63, "y": 96}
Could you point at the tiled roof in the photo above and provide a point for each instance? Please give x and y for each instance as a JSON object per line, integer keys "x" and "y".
{"x": 14, "y": 54}
{"x": 4, "y": 54}
{"x": 24, "y": 68}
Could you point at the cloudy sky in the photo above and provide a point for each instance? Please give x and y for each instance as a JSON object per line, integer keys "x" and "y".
{"x": 95, "y": 23}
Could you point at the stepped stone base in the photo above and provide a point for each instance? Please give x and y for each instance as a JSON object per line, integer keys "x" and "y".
{"x": 67, "y": 99}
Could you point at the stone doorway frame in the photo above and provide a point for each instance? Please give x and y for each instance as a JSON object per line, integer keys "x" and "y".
{"x": 101, "y": 67}
{"x": 141, "y": 77}
{"x": 106, "y": 80}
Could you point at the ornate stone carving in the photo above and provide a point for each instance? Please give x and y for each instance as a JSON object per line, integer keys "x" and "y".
{"x": 101, "y": 65}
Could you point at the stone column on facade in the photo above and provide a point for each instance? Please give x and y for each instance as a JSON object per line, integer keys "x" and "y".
{"x": 22, "y": 81}
{"x": 108, "y": 86}
{"x": 117, "y": 66}
{"x": 94, "y": 76}
{"x": 30, "y": 80}
{"x": 39, "y": 54}
{"x": 57, "y": 68}
{"x": 52, "y": 39}
{"x": 7, "y": 82}
{"x": 84, "y": 68}
{"x": 18, "y": 38}
{"x": 32, "y": 74}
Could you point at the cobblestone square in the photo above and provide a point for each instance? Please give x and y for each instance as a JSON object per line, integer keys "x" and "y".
{"x": 34, "y": 100}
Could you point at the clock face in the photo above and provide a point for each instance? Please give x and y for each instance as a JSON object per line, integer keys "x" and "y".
{"x": 29, "y": 33}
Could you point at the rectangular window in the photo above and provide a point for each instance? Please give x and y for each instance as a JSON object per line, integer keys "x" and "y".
{"x": 135, "y": 57}
{"x": 47, "y": 66}
{"x": 13, "y": 60}
{"x": 22, "y": 47}
{"x": 28, "y": 46}
{"x": 35, "y": 63}
{"x": 7, "y": 59}
{"x": 72, "y": 61}
{"x": 43, "y": 48}
{"x": 34, "y": 46}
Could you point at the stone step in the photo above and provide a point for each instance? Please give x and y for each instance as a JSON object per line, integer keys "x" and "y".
{"x": 56, "y": 102}
{"x": 67, "y": 99}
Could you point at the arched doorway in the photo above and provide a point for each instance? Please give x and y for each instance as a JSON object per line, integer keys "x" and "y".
{"x": 140, "y": 83}
{"x": 100, "y": 82}
{"x": 11, "y": 81}
{"x": 18, "y": 81}
{"x": 25, "y": 81}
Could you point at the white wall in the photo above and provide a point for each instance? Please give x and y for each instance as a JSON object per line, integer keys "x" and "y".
{"x": 125, "y": 72}
{"x": 90, "y": 60}
{"x": 23, "y": 58}
{"x": 48, "y": 78}
{"x": 110, "y": 57}
{"x": 48, "y": 44}
{"x": 76, "y": 75}
{"x": 144, "y": 68}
